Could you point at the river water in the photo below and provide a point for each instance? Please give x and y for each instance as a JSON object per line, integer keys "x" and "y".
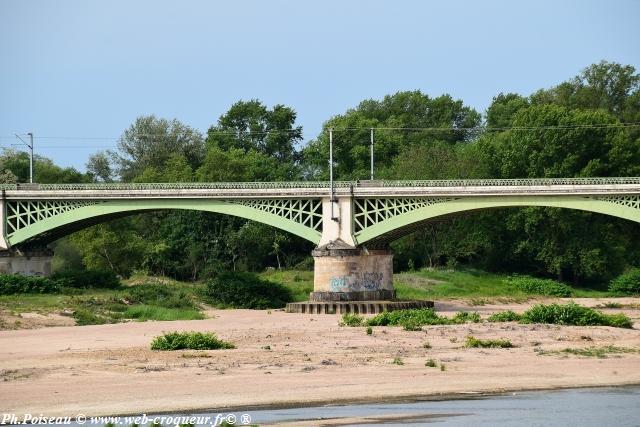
{"x": 616, "y": 406}
{"x": 587, "y": 407}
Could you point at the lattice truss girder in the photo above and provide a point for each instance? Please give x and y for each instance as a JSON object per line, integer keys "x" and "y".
{"x": 628, "y": 200}
{"x": 307, "y": 212}
{"x": 23, "y": 213}
{"x": 368, "y": 212}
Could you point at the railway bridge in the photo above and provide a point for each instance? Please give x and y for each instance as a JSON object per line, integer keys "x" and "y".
{"x": 350, "y": 222}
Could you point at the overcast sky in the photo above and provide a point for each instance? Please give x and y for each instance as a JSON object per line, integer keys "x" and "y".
{"x": 84, "y": 70}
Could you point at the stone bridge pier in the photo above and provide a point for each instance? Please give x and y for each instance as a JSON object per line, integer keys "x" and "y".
{"x": 349, "y": 278}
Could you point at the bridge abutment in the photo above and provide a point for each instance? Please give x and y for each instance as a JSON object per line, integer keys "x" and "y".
{"x": 27, "y": 263}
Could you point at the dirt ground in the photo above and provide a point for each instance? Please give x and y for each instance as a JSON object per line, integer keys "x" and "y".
{"x": 296, "y": 359}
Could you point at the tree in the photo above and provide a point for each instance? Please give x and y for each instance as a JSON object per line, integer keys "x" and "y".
{"x": 250, "y": 125}
{"x": 150, "y": 142}
{"x": 448, "y": 120}
{"x": 99, "y": 167}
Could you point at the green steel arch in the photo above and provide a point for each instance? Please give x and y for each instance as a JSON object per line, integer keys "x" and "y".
{"x": 375, "y": 218}
{"x": 25, "y": 220}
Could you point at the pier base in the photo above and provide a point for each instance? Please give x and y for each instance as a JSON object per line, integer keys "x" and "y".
{"x": 352, "y": 280}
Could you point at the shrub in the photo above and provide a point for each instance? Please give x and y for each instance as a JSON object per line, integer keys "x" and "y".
{"x": 409, "y": 318}
{"x": 473, "y": 342}
{"x": 504, "y": 316}
{"x": 85, "y": 317}
{"x": 84, "y": 279}
{"x": 369, "y": 330}
{"x": 431, "y": 363}
{"x": 350, "y": 319}
{"x": 19, "y": 284}
{"x": 547, "y": 287}
{"x": 627, "y": 283}
{"x": 189, "y": 340}
{"x": 246, "y": 290}
{"x": 465, "y": 316}
{"x": 159, "y": 295}
{"x": 574, "y": 314}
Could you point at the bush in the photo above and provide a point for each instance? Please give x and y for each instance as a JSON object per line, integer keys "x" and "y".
{"x": 189, "y": 340}
{"x": 465, "y": 317}
{"x": 410, "y": 319}
{"x": 246, "y": 290}
{"x": 85, "y": 317}
{"x": 19, "y": 284}
{"x": 349, "y": 319}
{"x": 547, "y": 287}
{"x": 627, "y": 283}
{"x": 159, "y": 295}
{"x": 85, "y": 279}
{"x": 505, "y": 316}
{"x": 473, "y": 342}
{"x": 573, "y": 314}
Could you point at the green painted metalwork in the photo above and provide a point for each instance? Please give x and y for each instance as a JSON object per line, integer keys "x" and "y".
{"x": 623, "y": 206}
{"x": 368, "y": 212}
{"x": 325, "y": 184}
{"x": 28, "y": 219}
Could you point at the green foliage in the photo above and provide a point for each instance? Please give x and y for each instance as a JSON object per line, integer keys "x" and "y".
{"x": 535, "y": 286}
{"x": 86, "y": 317}
{"x": 189, "y": 340}
{"x": 160, "y": 295}
{"x": 473, "y": 342}
{"x": 397, "y": 361}
{"x": 143, "y": 313}
{"x": 598, "y": 352}
{"x": 573, "y": 314}
{"x": 88, "y": 279}
{"x": 431, "y": 363}
{"x": 627, "y": 283}
{"x": 246, "y": 290}
{"x": 19, "y": 284}
{"x": 466, "y": 317}
{"x": 350, "y": 319}
{"x": 369, "y": 330}
{"x": 411, "y": 318}
{"x": 505, "y": 316}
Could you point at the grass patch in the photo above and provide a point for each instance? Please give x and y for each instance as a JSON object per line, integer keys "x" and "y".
{"x": 189, "y": 341}
{"x": 574, "y": 314}
{"x": 150, "y": 312}
{"x": 431, "y": 363}
{"x": 397, "y": 361}
{"x": 299, "y": 282}
{"x": 469, "y": 283}
{"x": 598, "y": 352}
{"x": 534, "y": 286}
{"x": 505, "y": 316}
{"x": 473, "y": 342}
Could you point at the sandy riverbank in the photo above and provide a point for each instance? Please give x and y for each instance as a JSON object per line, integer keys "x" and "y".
{"x": 109, "y": 369}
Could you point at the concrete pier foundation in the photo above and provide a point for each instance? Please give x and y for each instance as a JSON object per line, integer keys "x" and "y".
{"x": 352, "y": 274}
{"x": 28, "y": 263}
{"x": 352, "y": 280}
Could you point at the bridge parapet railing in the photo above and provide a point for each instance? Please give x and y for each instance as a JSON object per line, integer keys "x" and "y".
{"x": 325, "y": 184}
{"x": 510, "y": 182}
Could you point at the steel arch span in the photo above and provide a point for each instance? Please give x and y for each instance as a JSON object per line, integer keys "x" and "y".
{"x": 26, "y": 220}
{"x": 388, "y": 217}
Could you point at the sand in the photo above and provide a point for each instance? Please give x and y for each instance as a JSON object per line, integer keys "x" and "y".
{"x": 295, "y": 359}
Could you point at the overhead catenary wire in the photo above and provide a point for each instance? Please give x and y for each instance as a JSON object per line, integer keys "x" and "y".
{"x": 235, "y": 133}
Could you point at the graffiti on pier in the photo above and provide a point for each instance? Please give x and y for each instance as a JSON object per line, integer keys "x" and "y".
{"x": 368, "y": 282}
{"x": 371, "y": 281}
